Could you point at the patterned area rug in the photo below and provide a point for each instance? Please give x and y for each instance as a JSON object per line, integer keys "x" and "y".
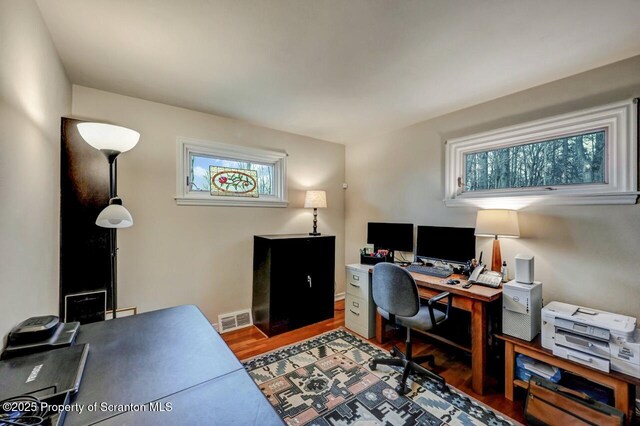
{"x": 326, "y": 381}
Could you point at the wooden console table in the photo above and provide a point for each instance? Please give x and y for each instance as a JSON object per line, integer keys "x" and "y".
{"x": 623, "y": 385}
{"x": 473, "y": 300}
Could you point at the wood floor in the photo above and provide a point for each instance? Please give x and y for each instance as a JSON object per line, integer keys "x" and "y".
{"x": 451, "y": 364}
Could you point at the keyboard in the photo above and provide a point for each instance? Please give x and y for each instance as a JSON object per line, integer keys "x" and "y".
{"x": 429, "y": 270}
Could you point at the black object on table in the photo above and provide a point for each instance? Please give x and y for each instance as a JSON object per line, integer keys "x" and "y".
{"x": 293, "y": 281}
{"x": 168, "y": 356}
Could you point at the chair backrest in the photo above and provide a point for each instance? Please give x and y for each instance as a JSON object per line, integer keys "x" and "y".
{"x": 395, "y": 290}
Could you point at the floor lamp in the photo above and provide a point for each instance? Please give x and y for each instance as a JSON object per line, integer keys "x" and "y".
{"x": 111, "y": 140}
{"x": 497, "y": 223}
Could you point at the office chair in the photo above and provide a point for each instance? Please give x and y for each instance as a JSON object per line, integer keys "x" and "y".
{"x": 396, "y": 294}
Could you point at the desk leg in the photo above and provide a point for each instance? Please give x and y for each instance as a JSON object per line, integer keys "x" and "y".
{"x": 380, "y": 326}
{"x": 622, "y": 398}
{"x": 509, "y": 358}
{"x": 478, "y": 346}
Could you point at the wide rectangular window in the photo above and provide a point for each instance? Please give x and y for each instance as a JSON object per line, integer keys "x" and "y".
{"x": 569, "y": 160}
{"x": 201, "y": 172}
{"x": 583, "y": 157}
{"x": 213, "y": 173}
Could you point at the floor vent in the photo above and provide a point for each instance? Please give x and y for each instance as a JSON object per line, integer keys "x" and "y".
{"x": 234, "y": 320}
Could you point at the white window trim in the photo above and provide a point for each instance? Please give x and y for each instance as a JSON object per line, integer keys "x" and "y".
{"x": 619, "y": 120}
{"x": 188, "y": 146}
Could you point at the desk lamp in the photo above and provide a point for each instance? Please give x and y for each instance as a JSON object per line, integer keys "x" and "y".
{"x": 111, "y": 140}
{"x": 497, "y": 223}
{"x": 316, "y": 200}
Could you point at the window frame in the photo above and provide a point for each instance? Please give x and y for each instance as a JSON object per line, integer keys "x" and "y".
{"x": 618, "y": 120}
{"x": 186, "y": 147}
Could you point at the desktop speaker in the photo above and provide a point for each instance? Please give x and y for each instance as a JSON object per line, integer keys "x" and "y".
{"x": 524, "y": 269}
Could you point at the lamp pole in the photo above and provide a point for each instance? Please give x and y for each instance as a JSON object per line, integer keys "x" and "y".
{"x": 315, "y": 222}
{"x": 113, "y": 242}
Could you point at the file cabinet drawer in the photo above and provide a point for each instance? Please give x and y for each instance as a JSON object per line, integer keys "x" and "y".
{"x": 355, "y": 311}
{"x": 357, "y": 283}
{"x": 360, "y": 316}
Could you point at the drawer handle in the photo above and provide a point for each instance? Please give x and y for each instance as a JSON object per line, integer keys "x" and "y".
{"x": 354, "y": 313}
{"x": 589, "y": 360}
{"x": 355, "y": 285}
{"x": 356, "y": 304}
{"x": 356, "y": 278}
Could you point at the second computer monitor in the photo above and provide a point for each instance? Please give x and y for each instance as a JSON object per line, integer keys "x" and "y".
{"x": 447, "y": 244}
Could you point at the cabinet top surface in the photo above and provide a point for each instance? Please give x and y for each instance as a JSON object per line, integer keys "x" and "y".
{"x": 289, "y": 236}
{"x": 360, "y": 267}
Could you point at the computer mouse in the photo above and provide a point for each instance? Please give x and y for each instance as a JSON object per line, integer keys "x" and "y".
{"x": 453, "y": 282}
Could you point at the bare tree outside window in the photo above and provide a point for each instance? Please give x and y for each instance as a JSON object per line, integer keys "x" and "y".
{"x": 571, "y": 160}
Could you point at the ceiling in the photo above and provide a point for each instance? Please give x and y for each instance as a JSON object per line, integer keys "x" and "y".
{"x": 340, "y": 70}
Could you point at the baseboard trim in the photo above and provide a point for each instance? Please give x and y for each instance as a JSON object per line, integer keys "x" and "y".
{"x": 338, "y": 296}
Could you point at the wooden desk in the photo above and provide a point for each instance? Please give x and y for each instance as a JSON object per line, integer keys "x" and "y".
{"x": 473, "y": 300}
{"x": 623, "y": 385}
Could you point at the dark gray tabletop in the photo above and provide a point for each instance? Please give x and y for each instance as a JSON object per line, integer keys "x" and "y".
{"x": 228, "y": 400}
{"x": 158, "y": 355}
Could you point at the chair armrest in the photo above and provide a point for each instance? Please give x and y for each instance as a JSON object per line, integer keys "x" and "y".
{"x": 435, "y": 299}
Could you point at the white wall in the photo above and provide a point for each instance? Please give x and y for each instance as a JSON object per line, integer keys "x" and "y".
{"x": 588, "y": 255}
{"x": 202, "y": 254}
{"x": 34, "y": 94}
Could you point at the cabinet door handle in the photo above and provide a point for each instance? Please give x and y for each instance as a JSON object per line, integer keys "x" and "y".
{"x": 356, "y": 278}
{"x": 355, "y": 285}
{"x": 354, "y": 313}
{"x": 309, "y": 281}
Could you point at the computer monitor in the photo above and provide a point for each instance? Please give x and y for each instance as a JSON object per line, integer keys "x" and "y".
{"x": 446, "y": 244}
{"x": 390, "y": 236}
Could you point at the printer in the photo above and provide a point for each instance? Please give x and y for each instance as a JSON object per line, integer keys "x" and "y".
{"x": 598, "y": 339}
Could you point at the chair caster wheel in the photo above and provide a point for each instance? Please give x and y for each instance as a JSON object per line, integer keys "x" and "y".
{"x": 401, "y": 389}
{"x": 372, "y": 366}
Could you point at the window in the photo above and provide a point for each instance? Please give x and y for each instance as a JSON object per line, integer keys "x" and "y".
{"x": 194, "y": 181}
{"x": 585, "y": 157}
{"x": 201, "y": 173}
{"x": 570, "y": 160}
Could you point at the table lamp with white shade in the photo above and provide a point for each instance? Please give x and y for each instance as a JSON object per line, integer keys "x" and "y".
{"x": 315, "y": 200}
{"x": 497, "y": 223}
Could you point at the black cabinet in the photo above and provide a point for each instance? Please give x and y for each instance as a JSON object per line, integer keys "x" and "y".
{"x": 293, "y": 281}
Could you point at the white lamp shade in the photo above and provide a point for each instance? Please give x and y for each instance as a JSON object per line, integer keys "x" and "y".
{"x": 503, "y": 223}
{"x": 114, "y": 215}
{"x": 104, "y": 136}
{"x": 315, "y": 200}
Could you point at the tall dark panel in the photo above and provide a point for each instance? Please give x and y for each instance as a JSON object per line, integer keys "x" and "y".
{"x": 84, "y": 192}
{"x": 293, "y": 281}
